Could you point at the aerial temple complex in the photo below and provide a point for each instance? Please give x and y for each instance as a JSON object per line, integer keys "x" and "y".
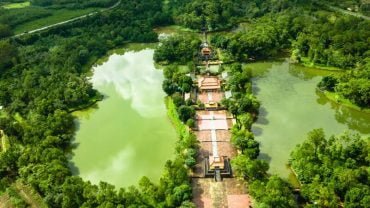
{"x": 212, "y": 177}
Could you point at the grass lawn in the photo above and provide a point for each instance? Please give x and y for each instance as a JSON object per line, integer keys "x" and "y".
{"x": 57, "y": 16}
{"x": 306, "y": 62}
{"x": 345, "y": 102}
{"x": 17, "y": 5}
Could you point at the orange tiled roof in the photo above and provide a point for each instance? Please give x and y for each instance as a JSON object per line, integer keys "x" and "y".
{"x": 209, "y": 83}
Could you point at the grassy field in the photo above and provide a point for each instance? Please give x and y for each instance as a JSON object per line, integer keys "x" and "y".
{"x": 306, "y": 62}
{"x": 345, "y": 102}
{"x": 57, "y": 16}
{"x": 17, "y": 5}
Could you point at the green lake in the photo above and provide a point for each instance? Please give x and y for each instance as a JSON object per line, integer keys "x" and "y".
{"x": 291, "y": 107}
{"x": 127, "y": 135}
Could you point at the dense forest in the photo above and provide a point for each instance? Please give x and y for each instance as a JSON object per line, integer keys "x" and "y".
{"x": 333, "y": 170}
{"x": 43, "y": 78}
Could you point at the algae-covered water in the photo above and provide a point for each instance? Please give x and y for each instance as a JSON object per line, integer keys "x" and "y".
{"x": 127, "y": 135}
{"x": 291, "y": 107}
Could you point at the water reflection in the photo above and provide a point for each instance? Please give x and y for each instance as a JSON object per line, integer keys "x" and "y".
{"x": 135, "y": 81}
{"x": 360, "y": 123}
{"x": 353, "y": 119}
{"x": 113, "y": 167}
{"x": 127, "y": 135}
{"x": 291, "y": 107}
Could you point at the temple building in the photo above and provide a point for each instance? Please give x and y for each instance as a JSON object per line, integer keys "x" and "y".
{"x": 209, "y": 91}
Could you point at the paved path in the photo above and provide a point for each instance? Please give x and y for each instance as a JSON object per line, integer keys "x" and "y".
{"x": 2, "y": 138}
{"x": 343, "y": 11}
{"x": 68, "y": 21}
{"x": 214, "y": 136}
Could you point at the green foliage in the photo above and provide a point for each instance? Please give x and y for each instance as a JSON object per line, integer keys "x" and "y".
{"x": 185, "y": 83}
{"x": 244, "y": 140}
{"x": 5, "y": 31}
{"x": 332, "y": 170}
{"x": 352, "y": 85}
{"x": 331, "y": 40}
{"x": 48, "y": 79}
{"x": 241, "y": 103}
{"x": 186, "y": 112}
{"x": 221, "y": 14}
{"x": 273, "y": 193}
{"x": 187, "y": 204}
{"x": 188, "y": 144}
{"x": 176, "y": 81}
{"x": 169, "y": 87}
{"x": 16, "y": 200}
{"x": 191, "y": 123}
{"x": 263, "y": 38}
{"x": 178, "y": 49}
{"x": 16, "y": 17}
{"x": 45, "y": 77}
{"x": 178, "y": 99}
{"x": 245, "y": 121}
{"x": 357, "y": 197}
{"x": 8, "y": 54}
{"x": 355, "y": 86}
{"x": 327, "y": 83}
{"x": 249, "y": 169}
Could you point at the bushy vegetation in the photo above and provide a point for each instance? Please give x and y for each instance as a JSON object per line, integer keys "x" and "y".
{"x": 222, "y": 14}
{"x": 264, "y": 38}
{"x": 188, "y": 145}
{"x": 177, "y": 83}
{"x": 16, "y": 17}
{"x": 353, "y": 85}
{"x": 5, "y": 31}
{"x": 333, "y": 170}
{"x": 43, "y": 78}
{"x": 177, "y": 49}
{"x": 242, "y": 101}
{"x": 331, "y": 40}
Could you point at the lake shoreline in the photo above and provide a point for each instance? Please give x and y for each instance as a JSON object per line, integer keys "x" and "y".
{"x": 131, "y": 117}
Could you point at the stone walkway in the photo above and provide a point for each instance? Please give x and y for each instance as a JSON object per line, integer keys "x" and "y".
{"x": 213, "y": 133}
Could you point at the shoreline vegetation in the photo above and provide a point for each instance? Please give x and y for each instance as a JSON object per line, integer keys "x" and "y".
{"x": 305, "y": 62}
{"x": 334, "y": 97}
{"x": 44, "y": 75}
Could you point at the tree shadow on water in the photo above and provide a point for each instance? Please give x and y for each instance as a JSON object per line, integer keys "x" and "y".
{"x": 262, "y": 116}
{"x": 265, "y": 156}
{"x": 257, "y": 131}
{"x": 353, "y": 119}
{"x": 74, "y": 169}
